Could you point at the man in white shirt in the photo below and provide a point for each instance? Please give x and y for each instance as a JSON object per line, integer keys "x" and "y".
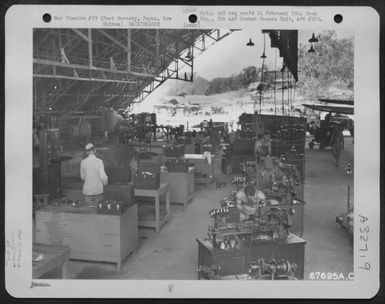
{"x": 94, "y": 177}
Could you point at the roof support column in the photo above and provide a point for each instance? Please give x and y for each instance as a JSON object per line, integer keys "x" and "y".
{"x": 90, "y": 59}
{"x": 157, "y": 44}
{"x": 128, "y": 50}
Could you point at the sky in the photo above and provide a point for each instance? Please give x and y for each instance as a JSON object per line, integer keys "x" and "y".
{"x": 230, "y": 56}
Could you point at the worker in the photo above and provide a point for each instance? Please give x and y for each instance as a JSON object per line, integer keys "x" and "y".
{"x": 94, "y": 177}
{"x": 337, "y": 143}
{"x": 84, "y": 131}
{"x": 248, "y": 200}
{"x": 328, "y": 119}
{"x": 268, "y": 173}
{"x": 262, "y": 147}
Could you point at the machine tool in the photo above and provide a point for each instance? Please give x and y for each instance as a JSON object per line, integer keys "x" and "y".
{"x": 256, "y": 270}
{"x": 274, "y": 224}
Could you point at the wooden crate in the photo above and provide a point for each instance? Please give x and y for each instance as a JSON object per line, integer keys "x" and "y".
{"x": 181, "y": 185}
{"x": 91, "y": 236}
{"x": 189, "y": 148}
{"x": 217, "y": 166}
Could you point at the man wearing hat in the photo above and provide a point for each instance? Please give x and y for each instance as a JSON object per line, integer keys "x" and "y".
{"x": 94, "y": 177}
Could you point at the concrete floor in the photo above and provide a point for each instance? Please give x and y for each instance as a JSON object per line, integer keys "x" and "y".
{"x": 173, "y": 253}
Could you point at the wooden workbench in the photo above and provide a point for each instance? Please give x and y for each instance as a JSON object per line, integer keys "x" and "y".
{"x": 235, "y": 261}
{"x": 181, "y": 185}
{"x": 201, "y": 165}
{"x": 91, "y": 236}
{"x": 158, "y": 221}
{"x": 52, "y": 257}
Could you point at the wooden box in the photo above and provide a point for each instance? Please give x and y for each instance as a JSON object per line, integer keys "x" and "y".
{"x": 177, "y": 165}
{"x": 217, "y": 165}
{"x": 181, "y": 185}
{"x": 144, "y": 180}
{"x": 91, "y": 236}
{"x": 189, "y": 148}
{"x": 174, "y": 150}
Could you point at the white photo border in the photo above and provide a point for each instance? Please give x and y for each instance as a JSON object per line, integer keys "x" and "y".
{"x": 19, "y": 23}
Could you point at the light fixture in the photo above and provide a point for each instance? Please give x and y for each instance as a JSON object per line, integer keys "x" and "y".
{"x": 250, "y": 43}
{"x": 311, "y": 50}
{"x": 313, "y": 39}
{"x": 188, "y": 56}
{"x": 263, "y": 55}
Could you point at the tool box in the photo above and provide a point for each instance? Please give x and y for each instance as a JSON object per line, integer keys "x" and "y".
{"x": 182, "y": 140}
{"x": 146, "y": 180}
{"x": 173, "y": 150}
{"x": 208, "y": 148}
{"x": 178, "y": 165}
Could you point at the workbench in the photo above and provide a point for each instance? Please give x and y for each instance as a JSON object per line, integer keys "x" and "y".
{"x": 201, "y": 165}
{"x": 91, "y": 236}
{"x": 158, "y": 221}
{"x": 235, "y": 261}
{"x": 52, "y": 257}
{"x": 181, "y": 185}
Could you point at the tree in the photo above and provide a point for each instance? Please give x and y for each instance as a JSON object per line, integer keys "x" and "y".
{"x": 332, "y": 63}
{"x": 198, "y": 87}
{"x": 235, "y": 82}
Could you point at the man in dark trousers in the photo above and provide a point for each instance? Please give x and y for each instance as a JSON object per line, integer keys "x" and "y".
{"x": 337, "y": 143}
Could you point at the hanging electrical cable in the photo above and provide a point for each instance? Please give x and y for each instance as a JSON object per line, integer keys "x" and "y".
{"x": 288, "y": 93}
{"x": 262, "y": 74}
{"x": 282, "y": 84}
{"x": 275, "y": 82}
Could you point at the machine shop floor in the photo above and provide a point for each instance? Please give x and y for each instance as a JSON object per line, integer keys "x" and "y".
{"x": 173, "y": 253}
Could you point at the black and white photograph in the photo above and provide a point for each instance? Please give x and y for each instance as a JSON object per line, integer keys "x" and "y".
{"x": 193, "y": 154}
